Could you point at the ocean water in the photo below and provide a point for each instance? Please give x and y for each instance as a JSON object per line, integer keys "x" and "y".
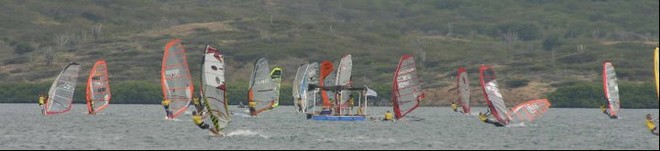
{"x": 143, "y": 127}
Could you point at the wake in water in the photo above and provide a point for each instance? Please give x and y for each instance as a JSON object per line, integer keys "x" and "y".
{"x": 359, "y": 139}
{"x": 521, "y": 124}
{"x": 246, "y": 133}
{"x": 240, "y": 114}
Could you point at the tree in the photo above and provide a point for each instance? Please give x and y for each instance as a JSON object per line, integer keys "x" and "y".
{"x": 23, "y": 48}
{"x": 49, "y": 54}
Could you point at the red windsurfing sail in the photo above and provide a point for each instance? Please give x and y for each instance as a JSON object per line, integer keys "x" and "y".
{"x": 611, "y": 88}
{"x": 406, "y": 87}
{"x": 98, "y": 88}
{"x": 529, "y": 110}
{"x": 492, "y": 94}
{"x": 326, "y": 69}
{"x": 175, "y": 78}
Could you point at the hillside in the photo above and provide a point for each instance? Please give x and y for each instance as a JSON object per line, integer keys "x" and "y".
{"x": 534, "y": 45}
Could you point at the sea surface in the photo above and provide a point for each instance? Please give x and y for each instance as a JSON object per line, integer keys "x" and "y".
{"x": 144, "y": 127}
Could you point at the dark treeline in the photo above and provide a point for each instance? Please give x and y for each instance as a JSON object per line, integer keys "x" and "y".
{"x": 572, "y": 95}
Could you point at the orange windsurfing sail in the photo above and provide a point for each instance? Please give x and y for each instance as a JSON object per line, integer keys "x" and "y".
{"x": 98, "y": 88}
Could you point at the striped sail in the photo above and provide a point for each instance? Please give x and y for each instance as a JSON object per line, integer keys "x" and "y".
{"x": 98, "y": 87}
{"x": 529, "y": 111}
{"x": 175, "y": 78}
{"x": 60, "y": 95}
{"x": 492, "y": 94}
{"x": 406, "y": 88}
{"x": 214, "y": 88}
{"x": 611, "y": 88}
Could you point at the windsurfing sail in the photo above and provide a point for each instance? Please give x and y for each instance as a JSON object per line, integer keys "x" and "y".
{"x": 276, "y": 75}
{"x": 371, "y": 93}
{"x": 343, "y": 79}
{"x": 299, "y": 87}
{"x": 655, "y": 59}
{"x": 262, "y": 89}
{"x": 296, "y": 89}
{"x": 214, "y": 88}
{"x": 60, "y": 95}
{"x": 98, "y": 88}
{"x": 611, "y": 89}
{"x": 175, "y": 78}
{"x": 529, "y": 111}
{"x": 463, "y": 85}
{"x": 492, "y": 94}
{"x": 406, "y": 88}
{"x": 310, "y": 96}
{"x": 326, "y": 69}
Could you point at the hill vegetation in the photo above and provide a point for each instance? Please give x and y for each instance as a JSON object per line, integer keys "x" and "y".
{"x": 539, "y": 48}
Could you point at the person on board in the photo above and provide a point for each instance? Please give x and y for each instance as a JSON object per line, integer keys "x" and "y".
{"x": 252, "y": 105}
{"x": 42, "y": 101}
{"x": 197, "y": 119}
{"x": 388, "y": 116}
{"x": 198, "y": 104}
{"x": 360, "y": 112}
{"x": 650, "y": 125}
{"x": 484, "y": 118}
{"x": 299, "y": 105}
{"x": 351, "y": 103}
{"x": 454, "y": 106}
{"x": 603, "y": 109}
{"x": 606, "y": 112}
{"x": 91, "y": 107}
{"x": 166, "y": 105}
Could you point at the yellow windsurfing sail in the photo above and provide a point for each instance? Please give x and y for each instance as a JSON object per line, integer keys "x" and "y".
{"x": 655, "y": 56}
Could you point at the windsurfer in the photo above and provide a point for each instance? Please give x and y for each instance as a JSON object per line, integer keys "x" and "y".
{"x": 351, "y": 103}
{"x": 650, "y": 125}
{"x": 42, "y": 100}
{"x": 388, "y": 116}
{"x": 197, "y": 119}
{"x": 91, "y": 107}
{"x": 484, "y": 118}
{"x": 166, "y": 105}
{"x": 252, "y": 105}
{"x": 299, "y": 105}
{"x": 197, "y": 104}
{"x": 454, "y": 106}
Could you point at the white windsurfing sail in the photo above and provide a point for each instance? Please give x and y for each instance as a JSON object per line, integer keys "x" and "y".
{"x": 262, "y": 89}
{"x": 343, "y": 78}
{"x": 492, "y": 94}
{"x": 60, "y": 95}
{"x": 406, "y": 88}
{"x": 611, "y": 89}
{"x": 98, "y": 87}
{"x": 463, "y": 84}
{"x": 310, "y": 96}
{"x": 298, "y": 86}
{"x": 214, "y": 88}
{"x": 175, "y": 78}
{"x": 297, "y": 82}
